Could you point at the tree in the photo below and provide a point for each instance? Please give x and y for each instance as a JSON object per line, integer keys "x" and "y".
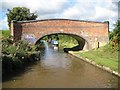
{"x": 117, "y": 30}
{"x": 20, "y": 14}
{"x": 115, "y": 35}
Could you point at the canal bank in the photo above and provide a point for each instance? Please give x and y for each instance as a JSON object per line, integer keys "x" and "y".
{"x": 17, "y": 55}
{"x": 95, "y": 64}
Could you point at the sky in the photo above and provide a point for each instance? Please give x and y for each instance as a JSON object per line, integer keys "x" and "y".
{"x": 88, "y": 10}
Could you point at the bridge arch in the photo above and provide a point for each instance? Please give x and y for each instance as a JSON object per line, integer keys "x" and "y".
{"x": 89, "y": 31}
{"x": 83, "y": 44}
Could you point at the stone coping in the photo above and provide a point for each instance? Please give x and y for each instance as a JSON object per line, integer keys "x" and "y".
{"x": 57, "y": 19}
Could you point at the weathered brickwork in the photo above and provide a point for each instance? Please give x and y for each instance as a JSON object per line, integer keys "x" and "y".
{"x": 93, "y": 33}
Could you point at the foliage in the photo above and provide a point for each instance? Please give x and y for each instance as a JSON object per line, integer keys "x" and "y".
{"x": 67, "y": 41}
{"x": 111, "y": 34}
{"x": 40, "y": 45}
{"x": 16, "y": 55}
{"x": 12, "y": 48}
{"x": 5, "y": 33}
{"x": 117, "y": 30}
{"x": 114, "y": 36}
{"x": 20, "y": 14}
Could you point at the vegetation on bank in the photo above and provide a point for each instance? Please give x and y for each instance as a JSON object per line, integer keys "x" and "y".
{"x": 66, "y": 41}
{"x": 17, "y": 55}
{"x": 5, "y": 33}
{"x": 104, "y": 56}
{"x": 114, "y": 36}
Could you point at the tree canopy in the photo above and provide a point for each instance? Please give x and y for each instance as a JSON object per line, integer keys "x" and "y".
{"x": 114, "y": 36}
{"x": 117, "y": 30}
{"x": 20, "y": 14}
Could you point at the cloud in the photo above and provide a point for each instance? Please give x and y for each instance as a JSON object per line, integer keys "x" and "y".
{"x": 39, "y": 6}
{"x": 44, "y": 8}
{"x": 92, "y": 10}
{"x": 79, "y": 11}
{"x": 4, "y": 24}
{"x": 99, "y": 10}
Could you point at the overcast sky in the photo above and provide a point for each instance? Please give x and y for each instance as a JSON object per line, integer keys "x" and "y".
{"x": 90, "y": 10}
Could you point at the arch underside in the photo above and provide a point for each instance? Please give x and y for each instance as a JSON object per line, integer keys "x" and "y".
{"x": 82, "y": 43}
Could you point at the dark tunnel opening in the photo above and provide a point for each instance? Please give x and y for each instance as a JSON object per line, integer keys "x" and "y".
{"x": 81, "y": 41}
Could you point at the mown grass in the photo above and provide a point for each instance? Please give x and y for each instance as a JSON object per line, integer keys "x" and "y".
{"x": 106, "y": 56}
{"x": 5, "y": 33}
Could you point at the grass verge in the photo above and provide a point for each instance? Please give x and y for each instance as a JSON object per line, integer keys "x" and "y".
{"x": 5, "y": 33}
{"x": 105, "y": 56}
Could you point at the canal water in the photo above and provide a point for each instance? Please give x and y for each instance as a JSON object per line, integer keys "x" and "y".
{"x": 57, "y": 69}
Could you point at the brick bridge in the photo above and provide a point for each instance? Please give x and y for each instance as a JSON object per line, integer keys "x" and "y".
{"x": 89, "y": 34}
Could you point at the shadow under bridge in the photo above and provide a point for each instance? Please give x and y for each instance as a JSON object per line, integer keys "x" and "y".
{"x": 82, "y": 43}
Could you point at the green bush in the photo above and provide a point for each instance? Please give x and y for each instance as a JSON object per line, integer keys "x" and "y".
{"x": 20, "y": 53}
{"x": 12, "y": 50}
{"x": 16, "y": 55}
{"x": 111, "y": 34}
{"x": 39, "y": 46}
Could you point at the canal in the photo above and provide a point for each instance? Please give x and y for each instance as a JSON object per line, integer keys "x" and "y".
{"x": 57, "y": 69}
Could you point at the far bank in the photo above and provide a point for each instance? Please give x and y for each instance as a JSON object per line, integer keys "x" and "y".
{"x": 104, "y": 57}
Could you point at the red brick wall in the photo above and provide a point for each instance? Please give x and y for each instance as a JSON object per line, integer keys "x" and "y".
{"x": 87, "y": 29}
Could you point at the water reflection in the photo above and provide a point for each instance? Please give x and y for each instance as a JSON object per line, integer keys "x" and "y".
{"x": 51, "y": 59}
{"x": 60, "y": 70}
